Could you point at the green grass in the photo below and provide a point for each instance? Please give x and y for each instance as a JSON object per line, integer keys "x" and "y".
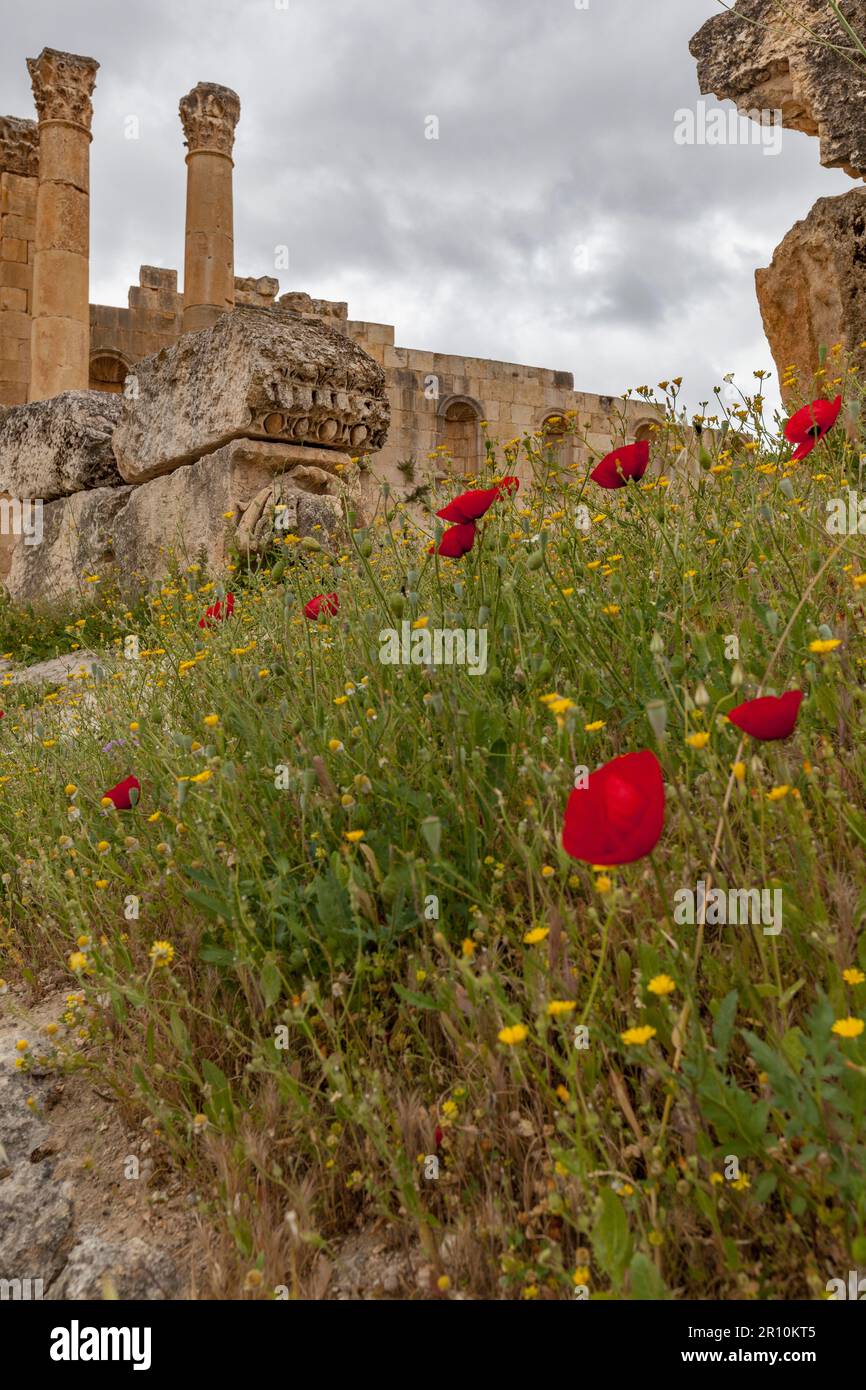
{"x": 331, "y": 1001}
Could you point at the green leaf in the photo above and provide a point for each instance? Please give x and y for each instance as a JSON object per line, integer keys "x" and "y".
{"x": 723, "y": 1026}
{"x": 420, "y": 1001}
{"x": 611, "y": 1240}
{"x": 220, "y": 1103}
{"x": 179, "y": 1033}
{"x": 645, "y": 1282}
{"x": 270, "y": 981}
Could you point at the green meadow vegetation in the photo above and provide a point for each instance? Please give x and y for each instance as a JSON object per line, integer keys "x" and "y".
{"x": 336, "y": 949}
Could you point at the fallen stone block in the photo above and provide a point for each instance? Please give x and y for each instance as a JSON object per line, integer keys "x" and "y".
{"x": 794, "y": 58}
{"x": 198, "y": 512}
{"x": 59, "y": 446}
{"x": 259, "y": 373}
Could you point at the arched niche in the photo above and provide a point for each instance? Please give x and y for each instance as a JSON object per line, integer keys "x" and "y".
{"x": 108, "y": 371}
{"x": 458, "y": 432}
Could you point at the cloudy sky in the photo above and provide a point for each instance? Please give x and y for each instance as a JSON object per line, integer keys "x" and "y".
{"x": 554, "y": 221}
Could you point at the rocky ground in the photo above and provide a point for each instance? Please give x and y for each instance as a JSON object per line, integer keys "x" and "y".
{"x": 69, "y": 1215}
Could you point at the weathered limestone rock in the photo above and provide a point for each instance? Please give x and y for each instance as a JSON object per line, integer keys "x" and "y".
{"x": 131, "y": 1268}
{"x": 76, "y": 542}
{"x": 259, "y": 373}
{"x": 199, "y": 510}
{"x": 814, "y": 293}
{"x": 36, "y": 1223}
{"x": 54, "y": 447}
{"x": 767, "y": 56}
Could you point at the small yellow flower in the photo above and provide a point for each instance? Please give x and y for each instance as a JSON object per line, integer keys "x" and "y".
{"x": 823, "y": 645}
{"x": 443, "y": 1283}
{"x": 560, "y": 1006}
{"x": 469, "y": 947}
{"x": 848, "y": 1027}
{"x": 203, "y": 776}
{"x": 603, "y": 884}
{"x": 547, "y": 871}
{"x": 154, "y": 818}
{"x": 134, "y": 726}
{"x": 594, "y": 727}
{"x": 778, "y": 793}
{"x": 852, "y": 976}
{"x": 419, "y": 623}
{"x": 562, "y": 1092}
{"x": 22, "y": 1045}
{"x": 699, "y": 740}
{"x": 636, "y": 1037}
{"x": 514, "y": 1035}
{"x": 211, "y": 720}
{"x": 161, "y": 953}
{"x": 78, "y": 962}
{"x": 353, "y": 836}
{"x": 536, "y": 934}
{"x": 739, "y": 771}
{"x": 70, "y": 789}
{"x": 611, "y": 610}
{"x": 100, "y": 882}
{"x": 580, "y": 1275}
{"x": 661, "y": 984}
{"x": 335, "y": 745}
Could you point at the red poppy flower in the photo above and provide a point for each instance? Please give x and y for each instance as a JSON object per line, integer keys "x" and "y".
{"x": 456, "y": 541}
{"x": 313, "y": 608}
{"x": 437, "y": 1136}
{"x": 125, "y": 795}
{"x": 810, "y": 424}
{"x": 619, "y": 815}
{"x": 770, "y": 717}
{"x": 217, "y": 611}
{"x": 508, "y": 484}
{"x": 624, "y": 465}
{"x": 469, "y": 506}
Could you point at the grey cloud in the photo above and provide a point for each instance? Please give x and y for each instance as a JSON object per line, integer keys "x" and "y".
{"x": 556, "y": 131}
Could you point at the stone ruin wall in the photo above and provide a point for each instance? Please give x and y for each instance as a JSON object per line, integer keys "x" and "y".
{"x": 247, "y": 411}
{"x": 510, "y": 397}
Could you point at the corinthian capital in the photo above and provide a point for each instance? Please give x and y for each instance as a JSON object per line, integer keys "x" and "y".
{"x": 62, "y": 86}
{"x": 209, "y": 114}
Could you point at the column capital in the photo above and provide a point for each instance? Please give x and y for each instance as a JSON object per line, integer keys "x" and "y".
{"x": 209, "y": 114}
{"x": 62, "y": 86}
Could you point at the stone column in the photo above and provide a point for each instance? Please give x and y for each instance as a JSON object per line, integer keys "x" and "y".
{"x": 209, "y": 114}
{"x": 60, "y": 326}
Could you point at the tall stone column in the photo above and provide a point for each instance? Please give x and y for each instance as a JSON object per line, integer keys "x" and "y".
{"x": 209, "y": 114}
{"x": 60, "y": 326}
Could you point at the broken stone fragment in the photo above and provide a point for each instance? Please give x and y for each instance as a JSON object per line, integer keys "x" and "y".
{"x": 795, "y": 58}
{"x": 259, "y": 373}
{"x": 125, "y": 1269}
{"x": 58, "y": 446}
{"x": 813, "y": 294}
{"x": 76, "y": 541}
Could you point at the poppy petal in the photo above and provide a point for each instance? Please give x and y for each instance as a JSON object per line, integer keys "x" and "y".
{"x": 456, "y": 541}
{"x": 619, "y": 815}
{"x": 125, "y": 795}
{"x": 469, "y": 506}
{"x": 622, "y": 466}
{"x": 769, "y": 717}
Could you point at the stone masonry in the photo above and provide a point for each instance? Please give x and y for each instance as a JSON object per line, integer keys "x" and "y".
{"x": 188, "y": 422}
